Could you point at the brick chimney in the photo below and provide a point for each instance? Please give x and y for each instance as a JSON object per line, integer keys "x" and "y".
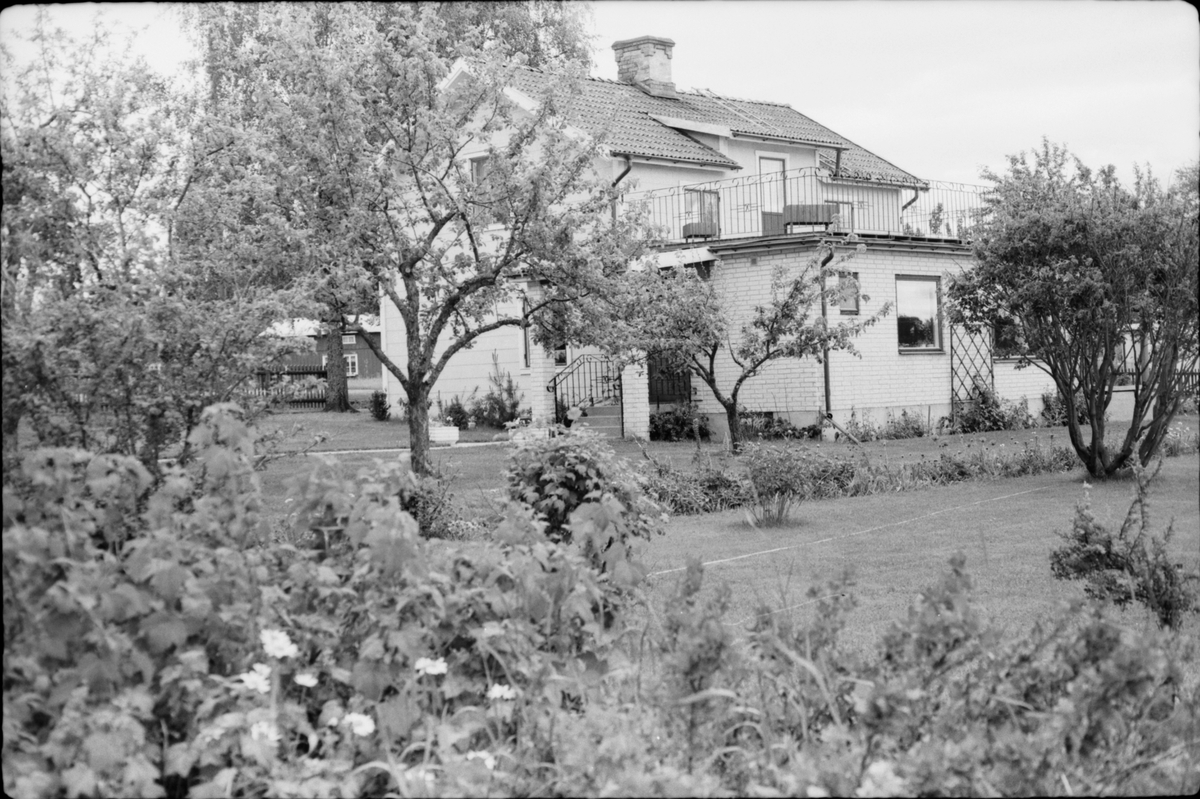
{"x": 646, "y": 63}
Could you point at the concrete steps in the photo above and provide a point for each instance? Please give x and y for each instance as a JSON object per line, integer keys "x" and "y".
{"x": 602, "y": 419}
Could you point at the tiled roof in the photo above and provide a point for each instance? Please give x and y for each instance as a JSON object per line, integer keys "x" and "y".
{"x": 626, "y": 113}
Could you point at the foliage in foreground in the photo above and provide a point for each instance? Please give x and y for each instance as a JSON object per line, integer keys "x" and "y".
{"x": 1121, "y": 568}
{"x": 164, "y": 651}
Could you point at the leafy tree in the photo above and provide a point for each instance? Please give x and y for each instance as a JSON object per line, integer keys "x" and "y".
{"x": 683, "y": 318}
{"x": 1085, "y": 267}
{"x": 369, "y": 153}
{"x": 241, "y": 43}
{"x": 109, "y": 342}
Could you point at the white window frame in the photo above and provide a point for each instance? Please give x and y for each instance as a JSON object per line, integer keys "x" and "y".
{"x": 350, "y": 359}
{"x": 350, "y": 339}
{"x": 849, "y": 307}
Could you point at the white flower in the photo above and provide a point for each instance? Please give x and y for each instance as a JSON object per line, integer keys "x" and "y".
{"x": 307, "y": 680}
{"x": 1086, "y": 485}
{"x": 501, "y": 692}
{"x": 258, "y": 679}
{"x": 421, "y": 773}
{"x": 881, "y": 780}
{"x": 359, "y": 724}
{"x": 488, "y": 758}
{"x": 265, "y": 731}
{"x": 816, "y": 792}
{"x": 428, "y": 666}
{"x": 277, "y": 644}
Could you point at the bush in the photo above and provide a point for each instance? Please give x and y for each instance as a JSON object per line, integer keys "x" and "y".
{"x": 683, "y": 422}
{"x": 191, "y": 660}
{"x": 777, "y": 477}
{"x": 1178, "y": 441}
{"x": 379, "y": 406}
{"x": 765, "y": 426}
{"x": 907, "y": 425}
{"x": 454, "y": 413}
{"x": 1121, "y": 569}
{"x": 813, "y": 475}
{"x": 708, "y": 488}
{"x": 556, "y": 476}
{"x": 1054, "y": 409}
{"x": 987, "y": 413}
{"x": 502, "y": 404}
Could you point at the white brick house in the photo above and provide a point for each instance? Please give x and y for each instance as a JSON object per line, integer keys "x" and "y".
{"x": 743, "y": 186}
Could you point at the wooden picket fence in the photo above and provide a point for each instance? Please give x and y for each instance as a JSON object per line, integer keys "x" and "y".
{"x": 277, "y": 384}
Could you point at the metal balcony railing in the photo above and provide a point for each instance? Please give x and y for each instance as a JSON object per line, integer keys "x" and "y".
{"x": 809, "y": 200}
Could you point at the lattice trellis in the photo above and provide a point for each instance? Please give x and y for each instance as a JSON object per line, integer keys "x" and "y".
{"x": 970, "y": 367}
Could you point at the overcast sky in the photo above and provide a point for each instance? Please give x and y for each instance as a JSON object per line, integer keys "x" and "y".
{"x": 938, "y": 88}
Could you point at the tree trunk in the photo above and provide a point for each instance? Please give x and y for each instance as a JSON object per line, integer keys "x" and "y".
{"x": 337, "y": 397}
{"x": 418, "y": 428}
{"x": 735, "y": 425}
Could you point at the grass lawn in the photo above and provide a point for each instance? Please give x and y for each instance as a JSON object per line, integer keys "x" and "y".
{"x": 353, "y": 431}
{"x": 898, "y": 544}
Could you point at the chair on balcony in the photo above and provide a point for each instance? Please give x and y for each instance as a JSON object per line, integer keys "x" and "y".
{"x": 808, "y": 215}
{"x": 705, "y": 229}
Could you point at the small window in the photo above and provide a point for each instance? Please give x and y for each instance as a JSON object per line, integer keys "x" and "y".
{"x": 480, "y": 167}
{"x": 348, "y": 339}
{"x": 918, "y": 313}
{"x": 848, "y": 288}
{"x": 350, "y": 359}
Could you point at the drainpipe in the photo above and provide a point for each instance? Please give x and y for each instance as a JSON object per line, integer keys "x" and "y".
{"x": 837, "y": 163}
{"x": 825, "y": 356}
{"x": 628, "y": 166}
{"x": 916, "y": 194}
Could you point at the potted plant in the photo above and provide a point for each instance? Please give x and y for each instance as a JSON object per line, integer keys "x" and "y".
{"x": 442, "y": 433}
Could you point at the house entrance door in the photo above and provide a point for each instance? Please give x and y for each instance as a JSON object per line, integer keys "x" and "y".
{"x": 772, "y": 194}
{"x": 970, "y": 367}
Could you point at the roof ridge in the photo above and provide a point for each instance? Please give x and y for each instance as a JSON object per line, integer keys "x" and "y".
{"x": 713, "y": 95}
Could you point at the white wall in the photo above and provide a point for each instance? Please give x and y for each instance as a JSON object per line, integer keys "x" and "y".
{"x": 1031, "y": 382}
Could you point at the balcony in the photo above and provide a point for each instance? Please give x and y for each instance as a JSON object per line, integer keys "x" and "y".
{"x": 809, "y": 200}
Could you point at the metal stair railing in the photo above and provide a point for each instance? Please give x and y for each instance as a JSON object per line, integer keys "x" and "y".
{"x": 585, "y": 382}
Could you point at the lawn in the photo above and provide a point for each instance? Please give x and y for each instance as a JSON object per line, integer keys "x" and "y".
{"x": 898, "y": 544}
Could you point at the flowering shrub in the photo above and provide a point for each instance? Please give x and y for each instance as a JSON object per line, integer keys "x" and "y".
{"x": 906, "y": 425}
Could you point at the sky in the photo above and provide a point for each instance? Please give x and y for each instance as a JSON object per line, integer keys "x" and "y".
{"x": 941, "y": 89}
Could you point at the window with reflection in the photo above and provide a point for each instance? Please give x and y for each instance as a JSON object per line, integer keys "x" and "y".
{"x": 918, "y": 313}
